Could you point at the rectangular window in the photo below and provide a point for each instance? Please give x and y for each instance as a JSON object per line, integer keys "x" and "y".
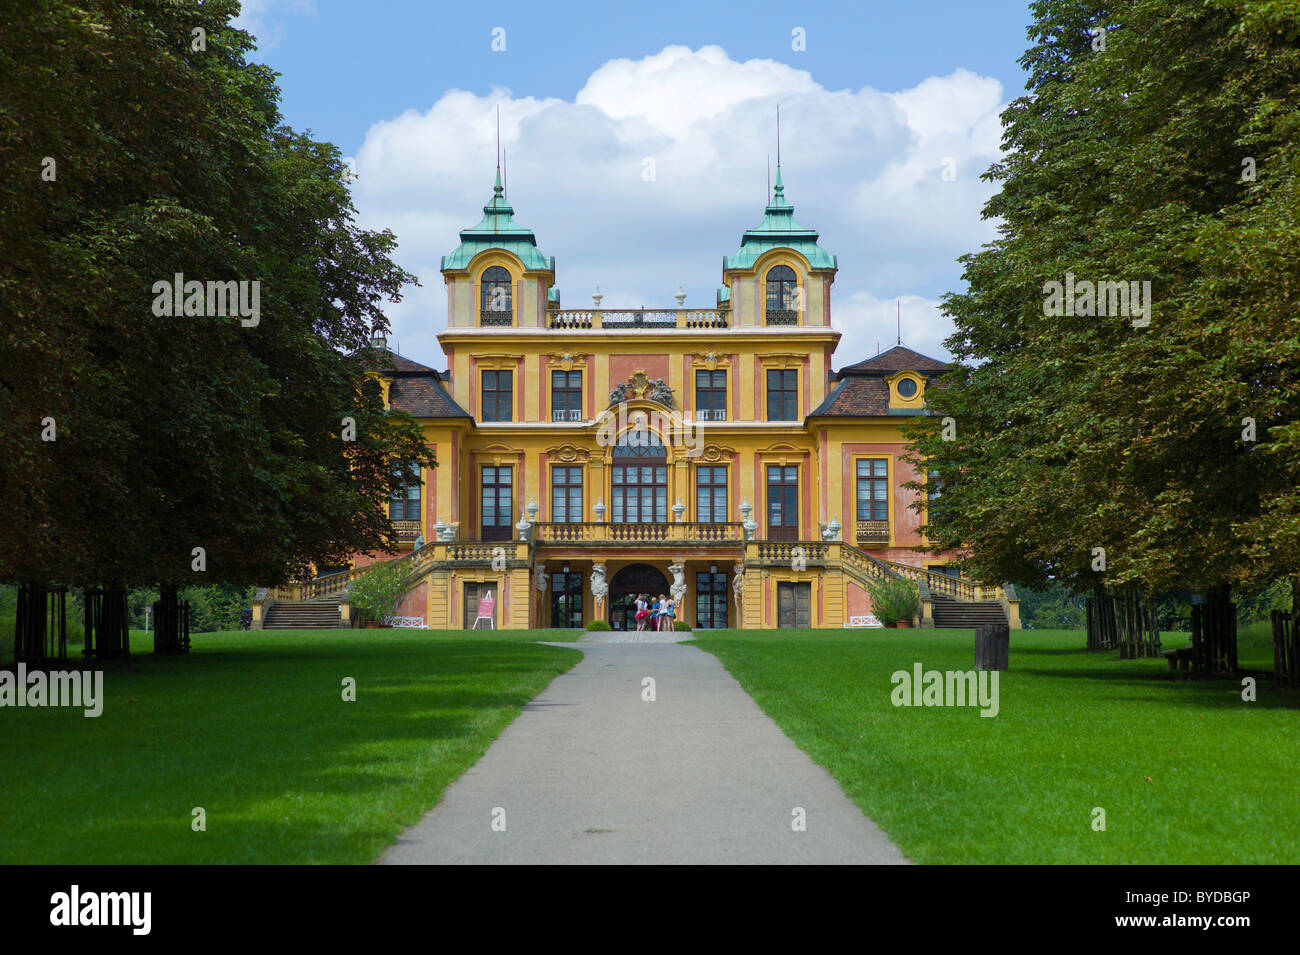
{"x": 873, "y": 489}
{"x": 711, "y": 396}
{"x": 497, "y": 509}
{"x": 405, "y": 502}
{"x": 566, "y": 495}
{"x": 782, "y": 502}
{"x": 640, "y": 494}
{"x": 793, "y": 605}
{"x": 498, "y": 395}
{"x": 933, "y": 485}
{"x": 782, "y": 394}
{"x": 711, "y": 494}
{"x": 566, "y": 396}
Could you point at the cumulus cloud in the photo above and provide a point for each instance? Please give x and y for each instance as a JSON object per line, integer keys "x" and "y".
{"x": 264, "y": 19}
{"x": 649, "y": 175}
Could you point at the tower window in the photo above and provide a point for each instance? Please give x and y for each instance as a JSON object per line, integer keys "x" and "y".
{"x": 782, "y": 296}
{"x": 495, "y": 305}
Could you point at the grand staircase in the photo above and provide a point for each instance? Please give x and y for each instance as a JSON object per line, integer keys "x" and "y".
{"x": 967, "y": 614}
{"x": 320, "y": 613}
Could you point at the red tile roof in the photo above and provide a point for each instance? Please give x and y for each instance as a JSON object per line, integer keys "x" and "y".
{"x": 898, "y": 358}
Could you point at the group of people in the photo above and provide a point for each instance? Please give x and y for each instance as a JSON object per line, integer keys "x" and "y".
{"x": 657, "y": 615}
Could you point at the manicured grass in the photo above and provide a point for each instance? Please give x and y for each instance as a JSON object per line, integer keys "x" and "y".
{"x": 1186, "y": 771}
{"x": 252, "y": 727}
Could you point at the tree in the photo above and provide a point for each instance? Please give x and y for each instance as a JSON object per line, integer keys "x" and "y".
{"x": 1104, "y": 449}
{"x": 187, "y": 448}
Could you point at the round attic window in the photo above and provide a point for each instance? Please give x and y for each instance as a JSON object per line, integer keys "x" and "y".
{"x": 906, "y": 387}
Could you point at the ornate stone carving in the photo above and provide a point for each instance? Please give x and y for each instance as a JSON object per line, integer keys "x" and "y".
{"x": 567, "y": 361}
{"x": 639, "y": 386}
{"x": 599, "y": 589}
{"x": 678, "y": 589}
{"x": 568, "y": 454}
{"x": 713, "y": 453}
{"x": 660, "y": 392}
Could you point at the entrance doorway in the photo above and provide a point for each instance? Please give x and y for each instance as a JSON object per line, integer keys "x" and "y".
{"x": 566, "y": 599}
{"x": 710, "y": 600}
{"x": 793, "y": 605}
{"x": 627, "y": 583}
{"x": 474, "y": 594}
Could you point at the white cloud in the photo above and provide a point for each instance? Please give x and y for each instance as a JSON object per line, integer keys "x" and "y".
{"x": 265, "y": 18}
{"x": 864, "y": 167}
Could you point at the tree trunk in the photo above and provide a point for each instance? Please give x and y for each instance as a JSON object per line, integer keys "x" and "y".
{"x": 107, "y": 623}
{"x": 171, "y": 622}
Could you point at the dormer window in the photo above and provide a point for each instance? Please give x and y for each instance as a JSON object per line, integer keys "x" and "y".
{"x": 907, "y": 387}
{"x": 495, "y": 306}
{"x": 782, "y": 296}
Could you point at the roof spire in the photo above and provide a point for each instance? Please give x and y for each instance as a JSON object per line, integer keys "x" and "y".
{"x": 498, "y": 140}
{"x": 778, "y": 138}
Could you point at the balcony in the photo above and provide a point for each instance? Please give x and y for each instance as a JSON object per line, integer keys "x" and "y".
{"x": 601, "y": 533}
{"x": 637, "y": 318}
{"x": 572, "y": 414}
{"x": 872, "y": 532}
{"x": 705, "y": 414}
{"x": 407, "y": 530}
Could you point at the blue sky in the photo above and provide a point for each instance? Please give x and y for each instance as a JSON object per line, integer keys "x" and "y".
{"x": 883, "y": 100}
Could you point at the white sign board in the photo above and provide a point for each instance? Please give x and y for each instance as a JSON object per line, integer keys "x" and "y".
{"x": 866, "y": 620}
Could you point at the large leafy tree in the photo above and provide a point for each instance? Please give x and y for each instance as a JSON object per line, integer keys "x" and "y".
{"x": 1157, "y": 142}
{"x": 139, "y": 144}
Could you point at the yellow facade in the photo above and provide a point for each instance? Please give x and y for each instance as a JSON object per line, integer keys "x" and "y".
{"x": 637, "y": 442}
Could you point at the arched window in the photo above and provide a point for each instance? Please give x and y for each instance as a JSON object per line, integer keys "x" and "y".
{"x": 782, "y": 296}
{"x": 495, "y": 306}
{"x": 639, "y": 481}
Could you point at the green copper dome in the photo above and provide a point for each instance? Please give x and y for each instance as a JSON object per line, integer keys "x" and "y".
{"x": 779, "y": 230}
{"x": 498, "y": 230}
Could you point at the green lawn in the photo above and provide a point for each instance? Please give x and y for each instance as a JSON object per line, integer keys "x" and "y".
{"x": 252, "y": 727}
{"x": 1186, "y": 771}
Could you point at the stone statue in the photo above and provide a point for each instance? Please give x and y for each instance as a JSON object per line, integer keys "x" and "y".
{"x": 599, "y": 589}
{"x": 542, "y": 578}
{"x": 618, "y": 394}
{"x": 678, "y": 590}
{"x": 660, "y": 392}
{"x": 737, "y": 589}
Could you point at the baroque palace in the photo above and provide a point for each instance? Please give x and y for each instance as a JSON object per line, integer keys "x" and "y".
{"x": 590, "y": 455}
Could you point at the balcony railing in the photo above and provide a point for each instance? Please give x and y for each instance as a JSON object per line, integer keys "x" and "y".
{"x": 683, "y": 532}
{"x": 872, "y": 532}
{"x": 407, "y": 530}
{"x": 634, "y": 318}
{"x": 572, "y": 414}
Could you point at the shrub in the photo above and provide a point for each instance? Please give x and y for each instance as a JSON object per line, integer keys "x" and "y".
{"x": 598, "y": 625}
{"x": 681, "y": 625}
{"x": 376, "y": 592}
{"x": 892, "y": 599}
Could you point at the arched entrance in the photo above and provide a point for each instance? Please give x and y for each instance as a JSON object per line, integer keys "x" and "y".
{"x": 627, "y": 583}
